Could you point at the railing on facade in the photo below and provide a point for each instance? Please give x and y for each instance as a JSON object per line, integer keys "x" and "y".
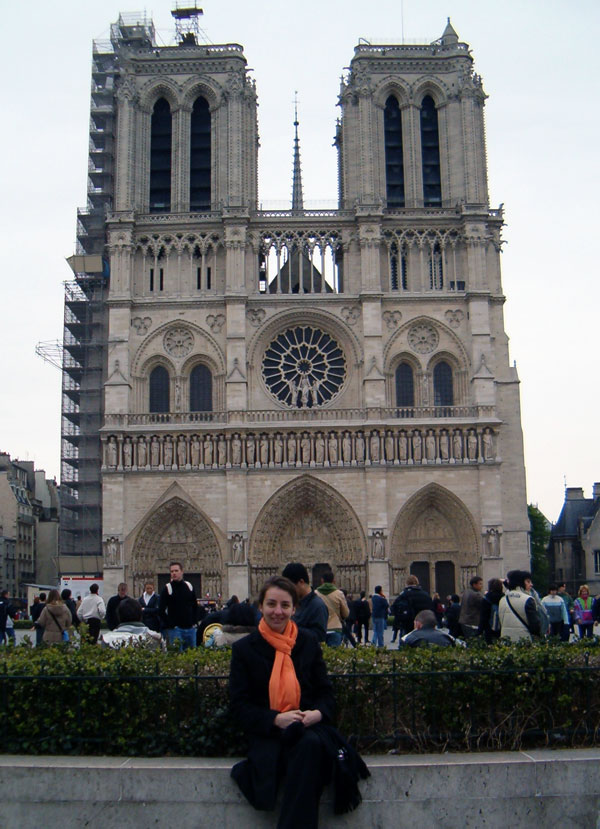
{"x": 372, "y": 414}
{"x": 399, "y": 708}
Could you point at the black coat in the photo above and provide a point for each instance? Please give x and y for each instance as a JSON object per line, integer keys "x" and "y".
{"x": 251, "y": 665}
{"x": 150, "y": 613}
{"x": 411, "y": 601}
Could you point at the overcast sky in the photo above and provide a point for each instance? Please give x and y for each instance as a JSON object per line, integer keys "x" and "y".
{"x": 540, "y": 65}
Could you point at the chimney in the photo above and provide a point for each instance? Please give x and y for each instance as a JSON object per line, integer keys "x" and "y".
{"x": 574, "y": 493}
{"x": 596, "y": 491}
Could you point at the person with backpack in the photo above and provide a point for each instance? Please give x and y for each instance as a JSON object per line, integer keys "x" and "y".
{"x": 519, "y": 618}
{"x": 406, "y": 606}
{"x": 489, "y": 618}
{"x": 178, "y": 609}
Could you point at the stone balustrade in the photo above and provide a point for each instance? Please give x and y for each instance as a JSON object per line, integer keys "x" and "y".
{"x": 300, "y": 448}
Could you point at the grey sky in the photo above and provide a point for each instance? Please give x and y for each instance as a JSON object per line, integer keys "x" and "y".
{"x": 539, "y": 62}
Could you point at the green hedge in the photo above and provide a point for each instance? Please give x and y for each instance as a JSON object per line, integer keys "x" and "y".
{"x": 134, "y": 702}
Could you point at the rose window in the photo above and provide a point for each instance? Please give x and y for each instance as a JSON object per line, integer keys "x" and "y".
{"x": 304, "y": 367}
{"x": 422, "y": 338}
{"x": 178, "y": 342}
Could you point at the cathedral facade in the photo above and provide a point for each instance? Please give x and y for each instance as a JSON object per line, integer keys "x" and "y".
{"x": 323, "y": 386}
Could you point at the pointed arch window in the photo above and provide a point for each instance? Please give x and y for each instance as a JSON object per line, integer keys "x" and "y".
{"x": 443, "y": 394}
{"x": 201, "y": 389}
{"x": 405, "y": 385}
{"x": 161, "y": 138}
{"x": 436, "y": 268}
{"x": 398, "y": 267}
{"x": 200, "y": 160}
{"x": 159, "y": 389}
{"x": 430, "y": 154}
{"x": 394, "y": 159}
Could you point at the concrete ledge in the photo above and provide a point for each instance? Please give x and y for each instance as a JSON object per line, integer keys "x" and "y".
{"x": 449, "y": 791}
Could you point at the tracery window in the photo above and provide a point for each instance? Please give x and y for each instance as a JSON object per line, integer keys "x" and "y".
{"x": 304, "y": 367}
{"x": 160, "y": 157}
{"x": 200, "y": 157}
{"x": 405, "y": 385}
{"x": 398, "y": 267}
{"x": 394, "y": 160}
{"x": 200, "y": 389}
{"x": 159, "y": 390}
{"x": 436, "y": 268}
{"x": 443, "y": 394}
{"x": 430, "y": 154}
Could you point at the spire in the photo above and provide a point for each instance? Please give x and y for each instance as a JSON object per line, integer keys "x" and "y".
{"x": 449, "y": 36}
{"x": 297, "y": 198}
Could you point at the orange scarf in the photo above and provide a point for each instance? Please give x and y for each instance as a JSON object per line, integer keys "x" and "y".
{"x": 284, "y": 688}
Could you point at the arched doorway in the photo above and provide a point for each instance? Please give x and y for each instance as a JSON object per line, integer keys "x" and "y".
{"x": 434, "y": 538}
{"x": 308, "y": 521}
{"x": 176, "y": 531}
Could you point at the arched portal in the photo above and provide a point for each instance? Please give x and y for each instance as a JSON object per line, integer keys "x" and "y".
{"x": 308, "y": 521}
{"x": 176, "y": 531}
{"x": 434, "y": 537}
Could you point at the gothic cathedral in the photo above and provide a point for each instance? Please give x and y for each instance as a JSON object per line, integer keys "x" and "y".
{"x": 325, "y": 386}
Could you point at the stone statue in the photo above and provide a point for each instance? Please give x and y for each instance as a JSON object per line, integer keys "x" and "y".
{"x": 488, "y": 445}
{"x": 208, "y": 451}
{"x": 155, "y": 452}
{"x": 492, "y": 540}
{"x": 332, "y": 447}
{"x": 127, "y": 453}
{"x": 378, "y": 545}
{"x": 111, "y": 452}
{"x": 430, "y": 445}
{"x": 278, "y": 449}
{"x": 142, "y": 455}
{"x": 417, "y": 446}
{"x": 291, "y": 449}
{"x": 444, "y": 446}
{"x": 360, "y": 448}
{"x": 195, "y": 451}
{"x": 472, "y": 446}
{"x": 389, "y": 446}
{"x": 181, "y": 452}
{"x": 263, "y": 450}
{"x": 374, "y": 447}
{"x": 237, "y": 549}
{"x": 457, "y": 446}
{"x": 236, "y": 450}
{"x": 222, "y": 451}
{"x": 319, "y": 449}
{"x": 112, "y": 552}
{"x": 347, "y": 447}
{"x": 305, "y": 447}
{"x": 250, "y": 450}
{"x": 178, "y": 395}
{"x": 403, "y": 447}
{"x": 168, "y": 451}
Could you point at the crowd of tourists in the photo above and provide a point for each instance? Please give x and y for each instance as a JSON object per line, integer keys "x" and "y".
{"x": 509, "y": 608}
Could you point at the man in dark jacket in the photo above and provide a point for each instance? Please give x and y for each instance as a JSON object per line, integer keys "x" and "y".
{"x": 380, "y": 611}
{"x": 178, "y": 609}
{"x": 39, "y": 603}
{"x": 470, "y": 607}
{"x": 112, "y": 619}
{"x": 426, "y": 633}
{"x": 362, "y": 613}
{"x": 406, "y": 606}
{"x": 311, "y": 611}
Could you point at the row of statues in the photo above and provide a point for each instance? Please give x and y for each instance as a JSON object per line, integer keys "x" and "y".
{"x": 323, "y": 448}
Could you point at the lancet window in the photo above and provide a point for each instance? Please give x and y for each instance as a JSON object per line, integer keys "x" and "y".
{"x": 161, "y": 135}
{"x": 443, "y": 394}
{"x": 430, "y": 154}
{"x": 200, "y": 156}
{"x": 405, "y": 385}
{"x": 159, "y": 389}
{"x": 200, "y": 389}
{"x": 394, "y": 160}
{"x": 398, "y": 264}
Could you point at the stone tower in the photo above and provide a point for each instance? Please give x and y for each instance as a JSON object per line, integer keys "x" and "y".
{"x": 323, "y": 386}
